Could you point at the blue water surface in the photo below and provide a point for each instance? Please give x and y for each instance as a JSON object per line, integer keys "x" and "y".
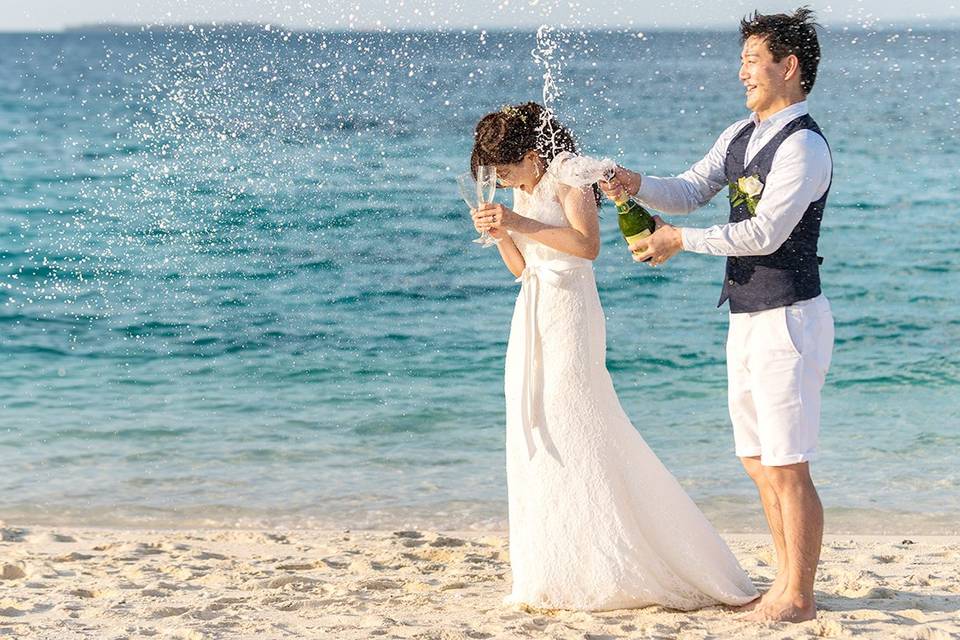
{"x": 237, "y": 285}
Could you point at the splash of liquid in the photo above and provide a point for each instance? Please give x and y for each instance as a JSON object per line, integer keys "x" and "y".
{"x": 546, "y": 55}
{"x": 581, "y": 170}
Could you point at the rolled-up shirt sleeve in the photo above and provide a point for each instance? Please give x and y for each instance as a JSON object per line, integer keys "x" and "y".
{"x": 800, "y": 174}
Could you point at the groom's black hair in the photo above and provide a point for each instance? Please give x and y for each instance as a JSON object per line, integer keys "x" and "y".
{"x": 787, "y": 34}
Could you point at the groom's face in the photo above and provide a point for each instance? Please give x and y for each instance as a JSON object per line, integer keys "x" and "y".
{"x": 762, "y": 77}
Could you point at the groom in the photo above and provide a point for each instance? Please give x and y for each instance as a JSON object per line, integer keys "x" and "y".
{"x": 778, "y": 168}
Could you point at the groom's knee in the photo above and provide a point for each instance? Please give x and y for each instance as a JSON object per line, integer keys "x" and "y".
{"x": 754, "y": 469}
{"x": 791, "y": 477}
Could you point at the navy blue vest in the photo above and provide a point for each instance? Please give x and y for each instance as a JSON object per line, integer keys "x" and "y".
{"x": 792, "y": 272}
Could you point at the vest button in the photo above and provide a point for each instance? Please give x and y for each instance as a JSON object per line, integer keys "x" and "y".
{"x": 731, "y": 282}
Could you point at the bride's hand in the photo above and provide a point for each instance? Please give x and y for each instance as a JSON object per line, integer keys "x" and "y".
{"x": 495, "y": 216}
{"x": 496, "y": 232}
{"x": 476, "y": 224}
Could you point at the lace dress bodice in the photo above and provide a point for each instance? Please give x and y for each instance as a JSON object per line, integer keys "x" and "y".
{"x": 543, "y": 204}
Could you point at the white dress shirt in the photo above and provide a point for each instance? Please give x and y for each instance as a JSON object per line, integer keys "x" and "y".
{"x": 800, "y": 174}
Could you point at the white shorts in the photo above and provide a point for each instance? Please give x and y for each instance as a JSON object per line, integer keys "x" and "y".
{"x": 777, "y": 361}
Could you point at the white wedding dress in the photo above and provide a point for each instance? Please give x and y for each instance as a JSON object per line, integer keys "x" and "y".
{"x": 596, "y": 521}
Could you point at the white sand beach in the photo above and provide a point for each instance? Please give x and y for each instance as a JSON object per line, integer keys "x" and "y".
{"x": 62, "y": 583}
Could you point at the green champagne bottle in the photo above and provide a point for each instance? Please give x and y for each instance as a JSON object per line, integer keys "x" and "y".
{"x": 635, "y": 222}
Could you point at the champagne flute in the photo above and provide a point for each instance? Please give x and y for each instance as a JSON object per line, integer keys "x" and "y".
{"x": 477, "y": 191}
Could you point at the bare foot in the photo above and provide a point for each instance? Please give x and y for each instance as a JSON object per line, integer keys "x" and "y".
{"x": 785, "y": 609}
{"x": 753, "y": 615}
{"x": 776, "y": 589}
{"x": 750, "y": 606}
{"x": 773, "y": 593}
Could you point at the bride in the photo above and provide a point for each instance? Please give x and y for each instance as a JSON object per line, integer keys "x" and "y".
{"x": 596, "y": 521}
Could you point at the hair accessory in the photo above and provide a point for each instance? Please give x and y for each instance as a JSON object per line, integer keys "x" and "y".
{"x": 513, "y": 112}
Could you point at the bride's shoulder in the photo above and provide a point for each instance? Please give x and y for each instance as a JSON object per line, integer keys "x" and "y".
{"x": 556, "y": 165}
{"x": 579, "y": 171}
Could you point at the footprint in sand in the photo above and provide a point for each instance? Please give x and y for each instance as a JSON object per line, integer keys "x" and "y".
{"x": 413, "y": 543}
{"x": 443, "y": 541}
{"x": 12, "y": 572}
{"x": 854, "y": 583}
{"x": 408, "y": 534}
{"x": 886, "y": 559}
{"x": 827, "y": 629}
{"x": 292, "y": 605}
{"x": 336, "y": 563}
{"x": 494, "y": 559}
{"x": 73, "y": 557}
{"x": 279, "y": 538}
{"x": 47, "y": 537}
{"x": 182, "y": 573}
{"x": 379, "y": 584}
{"x": 296, "y": 566}
{"x": 301, "y": 583}
{"x": 879, "y": 593}
{"x": 451, "y": 586}
{"x": 8, "y": 610}
{"x": 226, "y": 601}
{"x": 149, "y": 549}
{"x": 174, "y": 586}
{"x": 208, "y": 613}
{"x": 169, "y": 612}
{"x": 12, "y": 534}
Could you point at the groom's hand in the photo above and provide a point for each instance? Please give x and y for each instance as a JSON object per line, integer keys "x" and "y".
{"x": 623, "y": 180}
{"x": 660, "y": 246}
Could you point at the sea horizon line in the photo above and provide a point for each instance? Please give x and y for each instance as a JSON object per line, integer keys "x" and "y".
{"x": 114, "y": 27}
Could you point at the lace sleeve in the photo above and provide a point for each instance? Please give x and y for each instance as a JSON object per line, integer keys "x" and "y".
{"x": 579, "y": 171}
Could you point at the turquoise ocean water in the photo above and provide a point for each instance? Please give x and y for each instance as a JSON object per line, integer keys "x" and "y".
{"x": 237, "y": 285}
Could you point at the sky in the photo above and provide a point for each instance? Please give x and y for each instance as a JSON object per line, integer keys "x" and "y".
{"x": 54, "y": 15}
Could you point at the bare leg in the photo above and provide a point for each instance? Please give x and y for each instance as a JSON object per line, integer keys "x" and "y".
{"x": 802, "y": 518}
{"x": 771, "y": 509}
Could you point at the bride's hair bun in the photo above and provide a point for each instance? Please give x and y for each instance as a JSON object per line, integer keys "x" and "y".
{"x": 505, "y": 136}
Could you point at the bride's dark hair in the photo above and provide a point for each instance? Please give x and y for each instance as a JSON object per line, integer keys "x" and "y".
{"x": 505, "y": 136}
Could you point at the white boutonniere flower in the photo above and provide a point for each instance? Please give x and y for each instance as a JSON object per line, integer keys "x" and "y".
{"x": 746, "y": 190}
{"x": 750, "y": 185}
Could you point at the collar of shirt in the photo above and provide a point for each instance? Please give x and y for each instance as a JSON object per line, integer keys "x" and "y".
{"x": 765, "y": 130}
